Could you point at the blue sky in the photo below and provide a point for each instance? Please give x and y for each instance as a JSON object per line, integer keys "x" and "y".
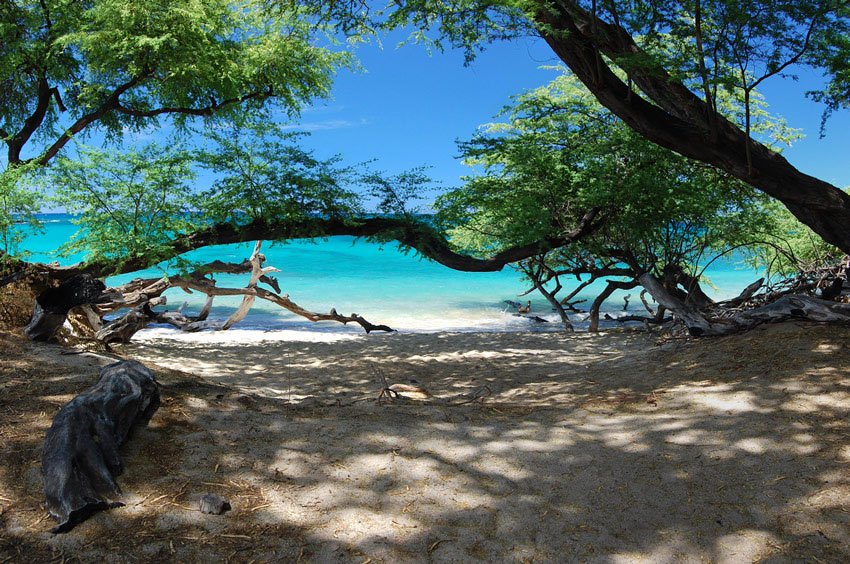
{"x": 407, "y": 108}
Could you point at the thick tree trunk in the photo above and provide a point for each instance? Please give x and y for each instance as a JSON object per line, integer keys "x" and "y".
{"x": 600, "y": 299}
{"x": 675, "y": 118}
{"x": 559, "y": 308}
{"x": 693, "y": 319}
{"x": 80, "y": 459}
{"x": 52, "y": 306}
{"x": 675, "y": 275}
{"x": 699, "y": 324}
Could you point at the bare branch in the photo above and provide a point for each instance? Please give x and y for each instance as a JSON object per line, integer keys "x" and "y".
{"x": 209, "y": 110}
{"x": 109, "y": 104}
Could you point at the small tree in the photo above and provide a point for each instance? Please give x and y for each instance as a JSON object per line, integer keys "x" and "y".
{"x": 561, "y": 154}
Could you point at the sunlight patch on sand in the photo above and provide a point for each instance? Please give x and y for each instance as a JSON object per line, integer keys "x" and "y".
{"x": 238, "y": 337}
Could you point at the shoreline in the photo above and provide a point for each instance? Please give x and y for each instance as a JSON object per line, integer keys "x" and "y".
{"x": 254, "y": 329}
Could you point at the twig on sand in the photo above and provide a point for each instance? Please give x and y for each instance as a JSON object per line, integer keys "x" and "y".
{"x": 395, "y": 391}
{"x": 433, "y": 546}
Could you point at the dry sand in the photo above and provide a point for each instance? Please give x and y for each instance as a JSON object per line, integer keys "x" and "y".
{"x": 532, "y": 447}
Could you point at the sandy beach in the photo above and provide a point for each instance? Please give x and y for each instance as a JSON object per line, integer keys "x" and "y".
{"x": 522, "y": 447}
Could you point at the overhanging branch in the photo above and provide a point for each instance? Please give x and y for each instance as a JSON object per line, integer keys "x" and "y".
{"x": 415, "y": 234}
{"x": 208, "y": 110}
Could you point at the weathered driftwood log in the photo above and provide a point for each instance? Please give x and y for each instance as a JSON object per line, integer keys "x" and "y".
{"x": 140, "y": 296}
{"x": 122, "y": 329}
{"x": 80, "y": 459}
{"x": 52, "y": 306}
{"x": 745, "y": 295}
{"x": 719, "y": 322}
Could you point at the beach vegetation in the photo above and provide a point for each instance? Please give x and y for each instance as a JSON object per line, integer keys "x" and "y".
{"x": 109, "y": 69}
{"x": 664, "y": 68}
{"x": 559, "y": 154}
{"x": 20, "y": 200}
{"x": 653, "y": 152}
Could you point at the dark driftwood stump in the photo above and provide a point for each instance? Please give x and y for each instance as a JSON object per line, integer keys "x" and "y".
{"x": 52, "y": 306}
{"x": 80, "y": 459}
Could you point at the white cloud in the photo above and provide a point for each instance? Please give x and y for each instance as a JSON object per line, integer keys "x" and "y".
{"x": 325, "y": 125}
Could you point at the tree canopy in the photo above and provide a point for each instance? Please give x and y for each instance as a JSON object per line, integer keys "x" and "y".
{"x": 658, "y": 90}
{"x": 66, "y": 67}
{"x": 662, "y": 66}
{"x": 561, "y": 154}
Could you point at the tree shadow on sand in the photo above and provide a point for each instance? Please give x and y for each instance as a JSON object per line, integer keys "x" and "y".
{"x": 728, "y": 449}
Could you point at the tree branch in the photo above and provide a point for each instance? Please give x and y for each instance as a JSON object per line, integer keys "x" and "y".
{"x": 414, "y": 234}
{"x": 204, "y": 111}
{"x": 109, "y": 104}
{"x": 678, "y": 120}
{"x": 32, "y": 123}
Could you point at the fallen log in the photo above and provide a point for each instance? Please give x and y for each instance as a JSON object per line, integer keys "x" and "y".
{"x": 724, "y": 322}
{"x": 80, "y": 458}
{"x": 141, "y": 295}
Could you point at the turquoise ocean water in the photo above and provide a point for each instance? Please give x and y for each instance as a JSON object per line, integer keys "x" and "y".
{"x": 378, "y": 282}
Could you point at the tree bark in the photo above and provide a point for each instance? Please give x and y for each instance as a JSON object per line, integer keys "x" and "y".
{"x": 600, "y": 299}
{"x": 699, "y": 324}
{"x": 52, "y": 306}
{"x": 141, "y": 296}
{"x": 675, "y": 118}
{"x": 693, "y": 319}
{"x": 413, "y": 234}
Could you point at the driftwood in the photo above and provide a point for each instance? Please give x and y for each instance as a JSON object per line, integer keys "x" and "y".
{"x": 141, "y": 296}
{"x": 746, "y": 294}
{"x": 52, "y": 306}
{"x": 724, "y": 321}
{"x": 80, "y": 458}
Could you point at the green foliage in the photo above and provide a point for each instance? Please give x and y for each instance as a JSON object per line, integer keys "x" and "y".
{"x": 760, "y": 39}
{"x": 21, "y": 198}
{"x": 68, "y": 68}
{"x": 129, "y": 205}
{"x": 559, "y": 155}
{"x": 470, "y": 24}
{"x": 118, "y": 64}
{"x": 393, "y": 193}
{"x": 262, "y": 174}
{"x": 783, "y": 246}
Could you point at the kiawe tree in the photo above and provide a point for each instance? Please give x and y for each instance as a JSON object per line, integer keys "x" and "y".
{"x": 560, "y": 154}
{"x": 108, "y": 67}
{"x": 70, "y": 67}
{"x": 663, "y": 65}
{"x": 105, "y": 66}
